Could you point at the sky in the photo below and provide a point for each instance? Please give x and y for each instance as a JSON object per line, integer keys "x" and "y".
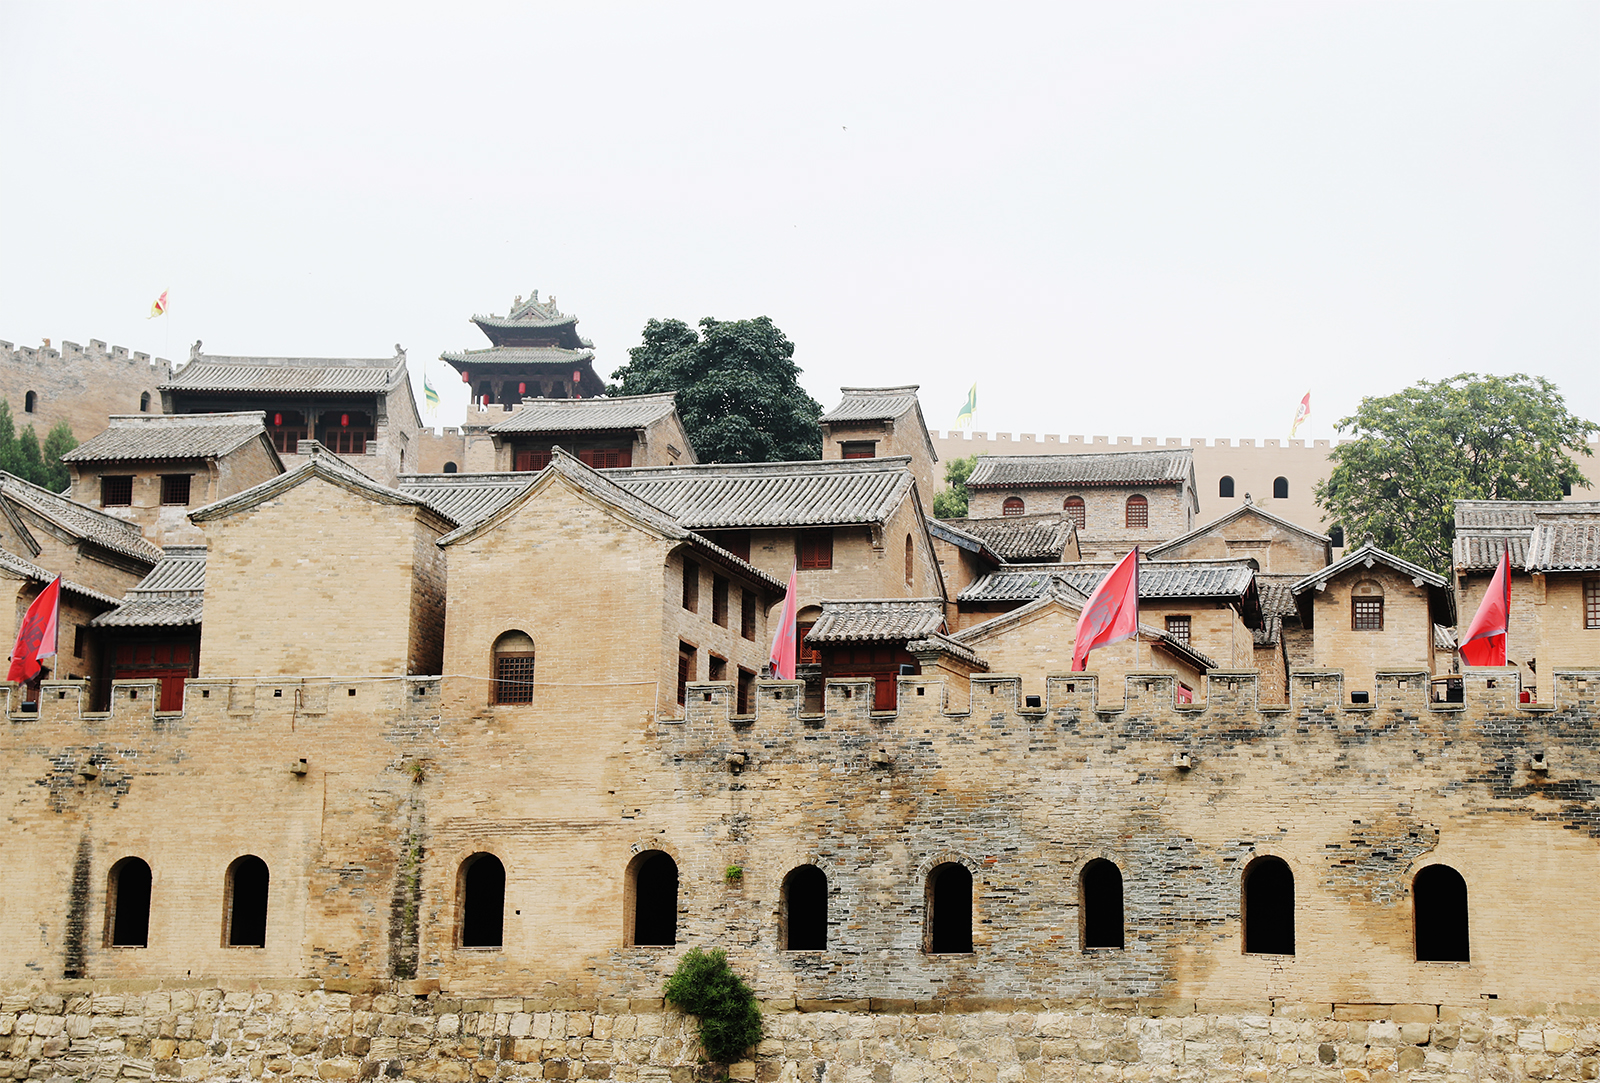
{"x": 1120, "y": 219}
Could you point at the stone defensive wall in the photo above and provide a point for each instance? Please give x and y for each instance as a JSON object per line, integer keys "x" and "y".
{"x": 79, "y": 386}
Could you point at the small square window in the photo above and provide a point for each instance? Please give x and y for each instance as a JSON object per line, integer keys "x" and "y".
{"x": 1366, "y": 614}
{"x": 858, "y": 449}
{"x": 816, "y": 549}
{"x": 175, "y": 488}
{"x": 1178, "y": 628}
{"x": 116, "y": 491}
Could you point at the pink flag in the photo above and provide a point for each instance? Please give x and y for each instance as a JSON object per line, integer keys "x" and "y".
{"x": 782, "y": 656}
{"x": 36, "y": 637}
{"x": 1112, "y": 613}
{"x": 1485, "y": 642}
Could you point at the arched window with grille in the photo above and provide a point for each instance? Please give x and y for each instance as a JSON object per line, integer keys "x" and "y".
{"x": 1268, "y": 907}
{"x": 1012, "y": 506}
{"x": 1280, "y": 488}
{"x": 650, "y": 901}
{"x": 1137, "y": 514}
{"x": 245, "y": 915}
{"x": 513, "y": 668}
{"x": 1100, "y": 900}
{"x": 805, "y": 909}
{"x": 128, "y": 904}
{"x": 481, "y": 902}
{"x": 948, "y": 910}
{"x": 1225, "y": 487}
{"x": 1075, "y": 511}
{"x": 1439, "y": 901}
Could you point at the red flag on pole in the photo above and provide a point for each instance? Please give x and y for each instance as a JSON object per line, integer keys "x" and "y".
{"x": 782, "y": 656}
{"x": 1485, "y": 643}
{"x": 36, "y": 637}
{"x": 1112, "y": 613}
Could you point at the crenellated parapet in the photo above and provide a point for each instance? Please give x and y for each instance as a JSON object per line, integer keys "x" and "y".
{"x": 71, "y": 352}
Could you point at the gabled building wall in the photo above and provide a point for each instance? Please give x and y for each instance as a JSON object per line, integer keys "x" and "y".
{"x": 76, "y": 559}
{"x": 210, "y": 480}
{"x": 899, "y": 436}
{"x": 1105, "y": 534}
{"x": 1406, "y": 641}
{"x": 1276, "y": 548}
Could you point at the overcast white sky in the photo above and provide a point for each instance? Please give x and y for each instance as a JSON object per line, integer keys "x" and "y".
{"x": 1137, "y": 219}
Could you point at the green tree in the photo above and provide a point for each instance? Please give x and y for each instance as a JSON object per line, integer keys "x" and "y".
{"x": 951, "y": 501}
{"x": 730, "y": 1020}
{"x": 57, "y": 442}
{"x": 738, "y": 390}
{"x": 29, "y": 457}
{"x": 1470, "y": 437}
{"x": 8, "y": 439}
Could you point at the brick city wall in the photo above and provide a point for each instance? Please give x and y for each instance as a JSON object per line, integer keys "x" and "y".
{"x": 297, "y": 1030}
{"x": 80, "y": 386}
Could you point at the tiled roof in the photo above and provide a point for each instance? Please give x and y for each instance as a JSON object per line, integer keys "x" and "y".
{"x": 1277, "y": 594}
{"x": 1565, "y": 547}
{"x": 519, "y": 355}
{"x": 1157, "y": 579}
{"x": 172, "y": 595}
{"x": 820, "y": 492}
{"x": 878, "y": 619}
{"x": 1022, "y": 538}
{"x": 872, "y": 403}
{"x": 946, "y": 645}
{"x": 532, "y": 314}
{"x": 1444, "y": 638}
{"x": 586, "y": 415}
{"x": 945, "y": 530}
{"x": 1267, "y": 635}
{"x": 1487, "y": 528}
{"x": 1495, "y": 512}
{"x": 289, "y": 375}
{"x": 79, "y": 519}
{"x": 466, "y": 499}
{"x": 1480, "y": 548}
{"x": 1174, "y": 467}
{"x": 14, "y": 564}
{"x": 1237, "y": 513}
{"x": 1368, "y": 555}
{"x": 170, "y": 436}
{"x": 323, "y": 464}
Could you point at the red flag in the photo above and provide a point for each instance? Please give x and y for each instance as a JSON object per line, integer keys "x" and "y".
{"x": 1112, "y": 613}
{"x": 1485, "y": 644}
{"x": 37, "y": 635}
{"x": 782, "y": 656}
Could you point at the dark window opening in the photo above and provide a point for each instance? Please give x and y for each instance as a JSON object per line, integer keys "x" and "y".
{"x": 128, "y": 904}
{"x": 602, "y": 457}
{"x": 246, "y": 891}
{"x": 1100, "y": 895}
{"x": 116, "y": 491}
{"x": 144, "y": 402}
{"x": 1336, "y": 536}
{"x": 805, "y": 909}
{"x": 1075, "y": 511}
{"x": 719, "y": 600}
{"x": 29, "y": 401}
{"x": 685, "y": 671}
{"x": 485, "y": 393}
{"x": 805, "y": 655}
{"x": 346, "y": 432}
{"x": 1280, "y": 488}
{"x": 716, "y": 668}
{"x": 691, "y": 586}
{"x": 858, "y": 449}
{"x": 483, "y": 902}
{"x": 1013, "y": 506}
{"x": 450, "y": 468}
{"x": 513, "y": 668}
{"x": 1225, "y": 487}
{"x": 949, "y": 906}
{"x": 736, "y": 542}
{"x": 910, "y": 564}
{"x": 528, "y": 461}
{"x": 1366, "y": 607}
{"x": 1439, "y": 896}
{"x": 175, "y": 488}
{"x": 747, "y": 691}
{"x": 288, "y": 428}
{"x": 1268, "y": 907}
{"x": 651, "y": 918}
{"x": 1566, "y": 488}
{"x": 1137, "y": 516}
{"x": 747, "y": 615}
{"x": 816, "y": 548}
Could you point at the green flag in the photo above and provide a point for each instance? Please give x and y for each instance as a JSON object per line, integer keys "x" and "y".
{"x": 429, "y": 395}
{"x": 964, "y": 418}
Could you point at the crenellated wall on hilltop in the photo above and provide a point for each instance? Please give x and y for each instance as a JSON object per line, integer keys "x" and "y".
{"x": 80, "y": 386}
{"x": 366, "y": 838}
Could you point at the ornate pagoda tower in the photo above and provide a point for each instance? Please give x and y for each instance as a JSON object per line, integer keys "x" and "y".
{"x": 537, "y": 354}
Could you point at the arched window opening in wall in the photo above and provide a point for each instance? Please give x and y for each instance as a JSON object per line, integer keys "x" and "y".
{"x": 1268, "y": 910}
{"x": 1366, "y": 606}
{"x": 1100, "y": 896}
{"x": 650, "y": 901}
{"x": 1012, "y": 506}
{"x": 245, "y": 889}
{"x": 29, "y": 402}
{"x": 1280, "y": 488}
{"x": 1075, "y": 511}
{"x": 1225, "y": 487}
{"x": 1137, "y": 515}
{"x": 805, "y": 909}
{"x": 144, "y": 402}
{"x": 128, "y": 904}
{"x": 948, "y": 904}
{"x": 1439, "y": 899}
{"x": 450, "y": 468}
{"x": 481, "y": 898}
{"x": 910, "y": 564}
{"x": 513, "y": 668}
{"x": 1336, "y": 536}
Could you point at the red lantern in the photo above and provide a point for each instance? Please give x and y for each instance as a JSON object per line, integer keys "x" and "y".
{"x": 577, "y": 377}
{"x": 277, "y": 419}
{"x": 522, "y": 389}
{"x": 344, "y": 419}
{"x": 466, "y": 377}
{"x": 486, "y": 400}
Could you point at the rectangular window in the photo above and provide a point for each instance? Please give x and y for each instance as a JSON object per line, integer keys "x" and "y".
{"x": 747, "y": 692}
{"x": 747, "y": 615}
{"x": 116, "y": 491}
{"x": 1366, "y": 614}
{"x": 513, "y": 677}
{"x": 691, "y": 586}
{"x": 1591, "y": 603}
{"x": 603, "y": 457}
{"x": 858, "y": 449}
{"x": 175, "y": 488}
{"x": 531, "y": 460}
{"x": 804, "y": 655}
{"x": 1178, "y": 628}
{"x": 685, "y": 671}
{"x": 717, "y": 668}
{"x": 719, "y": 600}
{"x": 346, "y": 441}
{"x": 816, "y": 548}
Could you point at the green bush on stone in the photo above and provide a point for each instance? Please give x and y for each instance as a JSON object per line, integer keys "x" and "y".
{"x": 704, "y": 986}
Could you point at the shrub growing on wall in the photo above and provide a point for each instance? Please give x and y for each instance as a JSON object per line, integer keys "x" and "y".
{"x": 704, "y": 986}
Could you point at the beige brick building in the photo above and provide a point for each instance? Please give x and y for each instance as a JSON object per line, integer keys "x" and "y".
{"x": 44, "y": 385}
{"x": 879, "y": 422}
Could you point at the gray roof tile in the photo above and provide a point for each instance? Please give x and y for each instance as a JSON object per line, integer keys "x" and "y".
{"x": 1022, "y": 538}
{"x": 587, "y": 415}
{"x": 878, "y": 619}
{"x": 28, "y": 570}
{"x": 1565, "y": 547}
{"x": 1240, "y": 512}
{"x": 873, "y": 403}
{"x": 1487, "y": 528}
{"x": 828, "y": 492}
{"x": 519, "y": 355}
{"x": 79, "y": 519}
{"x": 467, "y": 499}
{"x": 170, "y": 436}
{"x": 171, "y": 596}
{"x": 289, "y": 375}
{"x": 1175, "y": 467}
{"x": 1157, "y": 579}
{"x": 1368, "y": 555}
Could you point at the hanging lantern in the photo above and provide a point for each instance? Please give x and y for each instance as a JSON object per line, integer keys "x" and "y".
{"x": 577, "y": 377}
{"x": 277, "y": 419}
{"x": 522, "y": 389}
{"x": 466, "y": 377}
{"x": 344, "y": 419}
{"x": 485, "y": 400}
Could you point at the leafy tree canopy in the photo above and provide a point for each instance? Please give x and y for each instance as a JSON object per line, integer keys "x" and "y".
{"x": 20, "y": 453}
{"x": 737, "y": 388}
{"x": 951, "y": 501}
{"x": 1470, "y": 437}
